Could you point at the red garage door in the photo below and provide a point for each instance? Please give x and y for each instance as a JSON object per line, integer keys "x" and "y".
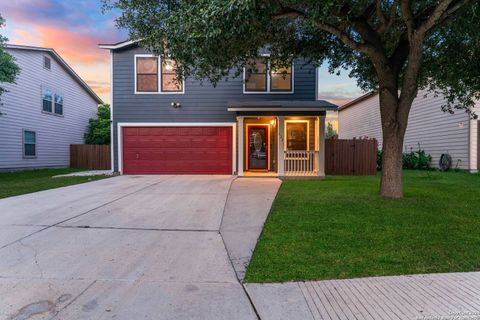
{"x": 177, "y": 150}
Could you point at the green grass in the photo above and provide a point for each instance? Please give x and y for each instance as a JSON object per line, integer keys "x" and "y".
{"x": 16, "y": 183}
{"x": 340, "y": 228}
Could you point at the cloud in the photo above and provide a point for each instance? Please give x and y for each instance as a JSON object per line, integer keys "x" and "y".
{"x": 100, "y": 87}
{"x": 73, "y": 46}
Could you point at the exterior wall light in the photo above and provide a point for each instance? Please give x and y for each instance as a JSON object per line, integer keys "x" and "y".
{"x": 176, "y": 105}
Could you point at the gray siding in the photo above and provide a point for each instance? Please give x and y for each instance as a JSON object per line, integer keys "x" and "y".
{"x": 201, "y": 102}
{"x": 436, "y": 132}
{"x": 22, "y": 109}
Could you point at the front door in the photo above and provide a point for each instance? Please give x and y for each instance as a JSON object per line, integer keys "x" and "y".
{"x": 257, "y": 147}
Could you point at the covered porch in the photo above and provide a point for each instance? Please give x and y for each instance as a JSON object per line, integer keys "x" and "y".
{"x": 284, "y": 139}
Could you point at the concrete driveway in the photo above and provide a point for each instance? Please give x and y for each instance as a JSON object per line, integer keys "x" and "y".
{"x": 131, "y": 247}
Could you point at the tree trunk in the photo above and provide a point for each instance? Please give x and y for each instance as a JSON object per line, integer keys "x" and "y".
{"x": 391, "y": 183}
{"x": 393, "y": 128}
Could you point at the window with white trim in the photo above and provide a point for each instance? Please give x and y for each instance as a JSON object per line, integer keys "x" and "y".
{"x": 47, "y": 100}
{"x": 155, "y": 75}
{"x": 296, "y": 137}
{"x": 256, "y": 76}
{"x": 29, "y": 144}
{"x": 281, "y": 79}
{"x": 58, "y": 104}
{"x": 52, "y": 102}
{"x": 260, "y": 77}
{"x": 147, "y": 74}
{"x": 170, "y": 82}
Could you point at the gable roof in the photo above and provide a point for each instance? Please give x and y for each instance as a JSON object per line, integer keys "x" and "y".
{"x": 357, "y": 100}
{"x": 63, "y": 63}
{"x": 118, "y": 45}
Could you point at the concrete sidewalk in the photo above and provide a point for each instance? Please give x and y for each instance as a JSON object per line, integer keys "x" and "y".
{"x": 246, "y": 210}
{"x": 443, "y": 296}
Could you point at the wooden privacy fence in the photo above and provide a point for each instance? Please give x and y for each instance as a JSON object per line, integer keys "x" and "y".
{"x": 351, "y": 157}
{"x": 90, "y": 156}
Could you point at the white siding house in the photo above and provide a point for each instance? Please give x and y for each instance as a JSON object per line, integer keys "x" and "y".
{"x": 35, "y": 133}
{"x": 436, "y": 132}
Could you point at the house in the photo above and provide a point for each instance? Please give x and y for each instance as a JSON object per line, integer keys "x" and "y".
{"x": 435, "y": 131}
{"x": 266, "y": 122}
{"x": 45, "y": 111}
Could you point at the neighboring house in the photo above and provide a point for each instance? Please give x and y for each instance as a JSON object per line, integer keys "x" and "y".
{"x": 269, "y": 124}
{"x": 44, "y": 112}
{"x": 435, "y": 131}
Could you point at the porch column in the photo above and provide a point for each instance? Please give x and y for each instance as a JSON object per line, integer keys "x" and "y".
{"x": 280, "y": 147}
{"x": 240, "y": 146}
{"x": 321, "y": 150}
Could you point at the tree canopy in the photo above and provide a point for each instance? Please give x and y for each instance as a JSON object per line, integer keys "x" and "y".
{"x": 208, "y": 38}
{"x": 8, "y": 69}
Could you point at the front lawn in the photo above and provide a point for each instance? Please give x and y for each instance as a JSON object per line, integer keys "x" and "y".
{"x": 16, "y": 183}
{"x": 340, "y": 228}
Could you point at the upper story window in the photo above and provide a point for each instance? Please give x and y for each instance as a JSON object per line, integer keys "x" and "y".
{"x": 169, "y": 81}
{"x": 47, "y": 63}
{"x": 147, "y": 74}
{"x": 261, "y": 77}
{"x": 47, "y": 100}
{"x": 281, "y": 79}
{"x": 29, "y": 144}
{"x": 52, "y": 102}
{"x": 256, "y": 76}
{"x": 153, "y": 75}
{"x": 58, "y": 109}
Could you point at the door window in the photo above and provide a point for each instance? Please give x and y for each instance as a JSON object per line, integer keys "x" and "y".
{"x": 258, "y": 148}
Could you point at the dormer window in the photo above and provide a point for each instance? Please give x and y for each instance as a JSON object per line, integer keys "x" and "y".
{"x": 261, "y": 77}
{"x": 47, "y": 63}
{"x": 155, "y": 75}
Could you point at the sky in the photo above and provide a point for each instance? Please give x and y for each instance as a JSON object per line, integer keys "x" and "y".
{"x": 75, "y": 28}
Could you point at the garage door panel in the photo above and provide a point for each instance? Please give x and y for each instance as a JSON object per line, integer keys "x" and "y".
{"x": 170, "y": 150}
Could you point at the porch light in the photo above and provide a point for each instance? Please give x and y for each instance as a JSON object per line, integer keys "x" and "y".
{"x": 272, "y": 122}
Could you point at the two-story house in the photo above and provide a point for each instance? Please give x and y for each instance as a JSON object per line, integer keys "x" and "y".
{"x": 45, "y": 111}
{"x": 266, "y": 122}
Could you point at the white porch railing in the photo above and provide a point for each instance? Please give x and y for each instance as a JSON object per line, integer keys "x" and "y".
{"x": 301, "y": 163}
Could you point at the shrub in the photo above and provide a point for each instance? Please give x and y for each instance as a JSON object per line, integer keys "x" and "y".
{"x": 98, "y": 131}
{"x": 415, "y": 160}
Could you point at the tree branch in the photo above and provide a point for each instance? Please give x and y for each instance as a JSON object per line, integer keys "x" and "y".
{"x": 291, "y": 13}
{"x": 407, "y": 17}
{"x": 435, "y": 16}
{"x": 381, "y": 15}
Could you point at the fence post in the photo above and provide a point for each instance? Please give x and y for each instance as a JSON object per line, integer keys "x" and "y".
{"x": 321, "y": 150}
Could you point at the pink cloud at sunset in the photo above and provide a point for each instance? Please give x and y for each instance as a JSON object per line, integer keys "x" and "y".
{"x": 74, "y": 47}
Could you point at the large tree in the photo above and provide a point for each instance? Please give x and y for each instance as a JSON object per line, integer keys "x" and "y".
{"x": 8, "y": 68}
{"x": 393, "y": 46}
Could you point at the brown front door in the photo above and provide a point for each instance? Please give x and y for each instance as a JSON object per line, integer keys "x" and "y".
{"x": 257, "y": 154}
